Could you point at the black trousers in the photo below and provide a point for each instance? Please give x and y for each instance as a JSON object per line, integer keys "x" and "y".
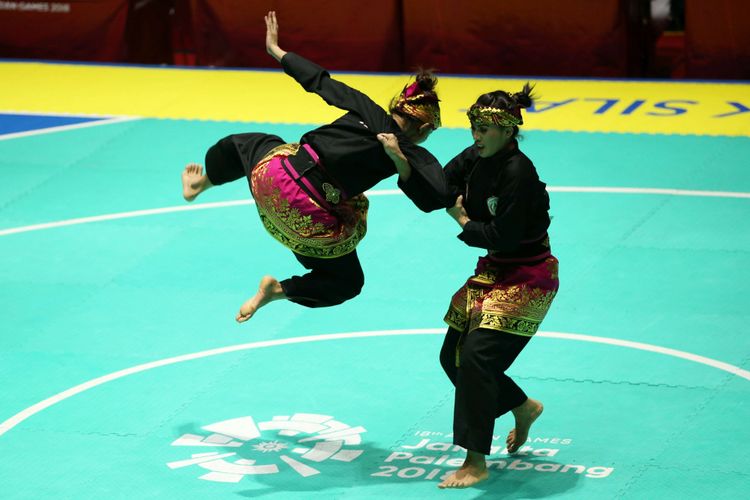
{"x": 483, "y": 390}
{"x": 330, "y": 281}
{"x": 234, "y": 156}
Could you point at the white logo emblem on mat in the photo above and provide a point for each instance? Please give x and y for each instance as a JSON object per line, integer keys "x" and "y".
{"x": 298, "y": 442}
{"x": 492, "y": 204}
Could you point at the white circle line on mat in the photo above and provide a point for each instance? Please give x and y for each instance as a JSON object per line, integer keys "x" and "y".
{"x": 381, "y": 192}
{"x": 62, "y": 396}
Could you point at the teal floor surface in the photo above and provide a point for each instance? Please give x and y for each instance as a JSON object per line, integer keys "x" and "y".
{"x": 642, "y": 363}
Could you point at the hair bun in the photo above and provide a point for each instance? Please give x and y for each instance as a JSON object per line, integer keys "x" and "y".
{"x": 426, "y": 80}
{"x": 524, "y": 98}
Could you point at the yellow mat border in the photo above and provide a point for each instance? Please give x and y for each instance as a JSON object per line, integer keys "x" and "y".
{"x": 667, "y": 107}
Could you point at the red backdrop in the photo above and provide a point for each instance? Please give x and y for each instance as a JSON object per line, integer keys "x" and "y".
{"x": 511, "y": 37}
{"x": 540, "y": 37}
{"x": 87, "y": 30}
{"x": 336, "y": 34}
{"x": 717, "y": 39}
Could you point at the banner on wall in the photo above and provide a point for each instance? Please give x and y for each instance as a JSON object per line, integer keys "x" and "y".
{"x": 85, "y": 30}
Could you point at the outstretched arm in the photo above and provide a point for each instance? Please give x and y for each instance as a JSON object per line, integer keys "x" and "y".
{"x": 419, "y": 174}
{"x": 272, "y": 37}
{"x": 314, "y": 78}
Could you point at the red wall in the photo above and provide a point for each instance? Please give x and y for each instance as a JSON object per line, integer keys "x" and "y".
{"x": 511, "y": 37}
{"x": 85, "y": 30}
{"x": 717, "y": 39}
{"x": 548, "y": 37}
{"x": 337, "y": 34}
{"x": 472, "y": 36}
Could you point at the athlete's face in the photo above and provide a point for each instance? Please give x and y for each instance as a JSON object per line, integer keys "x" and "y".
{"x": 419, "y": 133}
{"x": 489, "y": 139}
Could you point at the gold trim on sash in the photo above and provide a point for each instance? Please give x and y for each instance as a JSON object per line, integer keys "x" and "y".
{"x": 299, "y": 232}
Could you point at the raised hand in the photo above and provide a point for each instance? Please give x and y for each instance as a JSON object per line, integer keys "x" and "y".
{"x": 272, "y": 36}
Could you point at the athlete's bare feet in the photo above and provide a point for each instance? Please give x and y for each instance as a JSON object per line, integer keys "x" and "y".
{"x": 194, "y": 181}
{"x": 268, "y": 291}
{"x": 473, "y": 471}
{"x": 525, "y": 414}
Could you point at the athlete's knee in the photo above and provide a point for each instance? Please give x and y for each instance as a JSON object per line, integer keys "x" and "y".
{"x": 448, "y": 356}
{"x": 448, "y": 362}
{"x": 470, "y": 361}
{"x": 351, "y": 286}
{"x": 449, "y": 352}
{"x": 223, "y": 163}
{"x": 341, "y": 289}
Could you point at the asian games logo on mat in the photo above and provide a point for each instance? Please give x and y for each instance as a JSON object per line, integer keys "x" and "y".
{"x": 297, "y": 442}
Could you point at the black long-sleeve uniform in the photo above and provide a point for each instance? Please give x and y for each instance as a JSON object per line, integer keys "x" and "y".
{"x": 508, "y": 207}
{"x": 507, "y": 203}
{"x": 349, "y": 148}
{"x": 352, "y": 159}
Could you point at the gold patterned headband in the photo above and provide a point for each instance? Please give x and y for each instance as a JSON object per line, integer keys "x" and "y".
{"x": 486, "y": 115}
{"x": 408, "y": 102}
{"x": 426, "y": 113}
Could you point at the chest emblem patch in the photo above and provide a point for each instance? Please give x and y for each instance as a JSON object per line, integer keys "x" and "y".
{"x": 492, "y": 204}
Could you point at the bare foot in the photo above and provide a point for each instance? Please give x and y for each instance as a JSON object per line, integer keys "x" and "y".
{"x": 473, "y": 471}
{"x": 525, "y": 415}
{"x": 268, "y": 291}
{"x": 194, "y": 182}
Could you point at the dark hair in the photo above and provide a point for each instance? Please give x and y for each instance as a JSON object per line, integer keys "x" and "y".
{"x": 512, "y": 103}
{"x": 426, "y": 81}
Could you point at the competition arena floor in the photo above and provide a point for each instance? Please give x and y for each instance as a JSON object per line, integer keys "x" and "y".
{"x": 124, "y": 374}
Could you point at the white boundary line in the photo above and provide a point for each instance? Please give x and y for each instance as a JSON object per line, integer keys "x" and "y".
{"x": 382, "y": 192}
{"x": 63, "y": 128}
{"x": 661, "y": 191}
{"x": 42, "y": 405}
{"x": 54, "y": 113}
{"x": 123, "y": 215}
